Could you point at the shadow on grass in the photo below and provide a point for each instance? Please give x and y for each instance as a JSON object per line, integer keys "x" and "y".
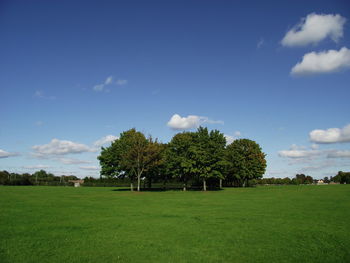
{"x": 192, "y": 189}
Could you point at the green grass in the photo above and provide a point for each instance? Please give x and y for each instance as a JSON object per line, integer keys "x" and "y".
{"x": 263, "y": 224}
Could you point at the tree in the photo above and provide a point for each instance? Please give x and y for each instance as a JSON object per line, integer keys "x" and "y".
{"x": 130, "y": 155}
{"x": 179, "y": 157}
{"x": 342, "y": 177}
{"x": 245, "y": 160}
{"x": 209, "y": 149}
{"x": 142, "y": 155}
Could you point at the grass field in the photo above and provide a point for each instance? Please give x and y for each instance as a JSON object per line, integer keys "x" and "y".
{"x": 263, "y": 224}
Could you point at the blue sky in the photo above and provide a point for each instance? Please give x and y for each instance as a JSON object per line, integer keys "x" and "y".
{"x": 74, "y": 72}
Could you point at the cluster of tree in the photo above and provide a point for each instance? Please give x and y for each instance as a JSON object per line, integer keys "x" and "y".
{"x": 298, "y": 179}
{"x": 189, "y": 158}
{"x": 38, "y": 178}
{"x": 341, "y": 177}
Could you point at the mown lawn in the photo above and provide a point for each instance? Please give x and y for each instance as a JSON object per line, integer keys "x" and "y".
{"x": 263, "y": 224}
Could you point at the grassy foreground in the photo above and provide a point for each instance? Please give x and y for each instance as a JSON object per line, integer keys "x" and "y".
{"x": 263, "y": 224}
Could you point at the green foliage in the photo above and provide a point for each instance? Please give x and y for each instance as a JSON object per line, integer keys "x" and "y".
{"x": 209, "y": 149}
{"x": 179, "y": 157}
{"x": 130, "y": 155}
{"x": 342, "y": 177}
{"x": 245, "y": 160}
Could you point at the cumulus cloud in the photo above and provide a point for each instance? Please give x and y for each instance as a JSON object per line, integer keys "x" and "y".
{"x": 109, "y": 81}
{"x": 104, "y": 140}
{"x": 5, "y": 154}
{"x": 59, "y": 147}
{"x": 94, "y": 168}
{"x": 332, "y": 135}
{"x": 315, "y": 28}
{"x": 299, "y": 152}
{"x": 71, "y": 161}
{"x": 190, "y": 122}
{"x": 323, "y": 62}
{"x": 339, "y": 154}
{"x": 38, "y": 166}
{"x": 230, "y": 138}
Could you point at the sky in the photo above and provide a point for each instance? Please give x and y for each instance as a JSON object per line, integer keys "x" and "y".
{"x": 75, "y": 74}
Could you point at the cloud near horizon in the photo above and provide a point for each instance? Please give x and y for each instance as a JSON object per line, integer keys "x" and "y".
{"x": 331, "y": 135}
{"x": 323, "y": 62}
{"x": 315, "y": 28}
{"x": 38, "y": 166}
{"x": 299, "y": 152}
{"x": 5, "y": 154}
{"x": 177, "y": 122}
{"x": 59, "y": 147}
{"x": 339, "y": 154}
{"x": 90, "y": 168}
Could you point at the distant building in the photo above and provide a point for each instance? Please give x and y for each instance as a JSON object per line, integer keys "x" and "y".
{"x": 76, "y": 183}
{"x": 320, "y": 182}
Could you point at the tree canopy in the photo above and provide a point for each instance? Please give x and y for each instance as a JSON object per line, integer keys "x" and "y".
{"x": 245, "y": 160}
{"x": 189, "y": 156}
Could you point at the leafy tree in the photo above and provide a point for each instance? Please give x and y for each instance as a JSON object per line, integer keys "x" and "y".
{"x": 208, "y": 157}
{"x": 130, "y": 155}
{"x": 179, "y": 157}
{"x": 156, "y": 171}
{"x": 246, "y": 161}
{"x": 112, "y": 158}
{"x": 142, "y": 155}
{"x": 342, "y": 177}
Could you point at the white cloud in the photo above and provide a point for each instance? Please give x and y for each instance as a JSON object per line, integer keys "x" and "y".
{"x": 71, "y": 161}
{"x": 230, "y": 138}
{"x": 191, "y": 121}
{"x": 104, "y": 140}
{"x": 99, "y": 87}
{"x": 314, "y": 146}
{"x": 5, "y": 154}
{"x": 121, "y": 82}
{"x": 339, "y": 154}
{"x": 299, "y": 152}
{"x": 94, "y": 168}
{"x": 332, "y": 135}
{"x": 323, "y": 62}
{"x": 38, "y": 166}
{"x": 59, "y": 147}
{"x": 315, "y": 28}
{"x": 109, "y": 81}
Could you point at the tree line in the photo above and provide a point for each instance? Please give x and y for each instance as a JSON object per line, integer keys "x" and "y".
{"x": 341, "y": 178}
{"x": 190, "y": 158}
{"x": 38, "y": 178}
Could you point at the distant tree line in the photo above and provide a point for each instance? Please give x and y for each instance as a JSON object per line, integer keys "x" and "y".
{"x": 341, "y": 177}
{"x": 192, "y": 159}
{"x": 38, "y": 178}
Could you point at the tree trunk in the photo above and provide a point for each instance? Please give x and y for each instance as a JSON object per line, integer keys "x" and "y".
{"x": 150, "y": 183}
{"x": 220, "y": 183}
{"x": 131, "y": 187}
{"x": 138, "y": 182}
{"x": 204, "y": 185}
